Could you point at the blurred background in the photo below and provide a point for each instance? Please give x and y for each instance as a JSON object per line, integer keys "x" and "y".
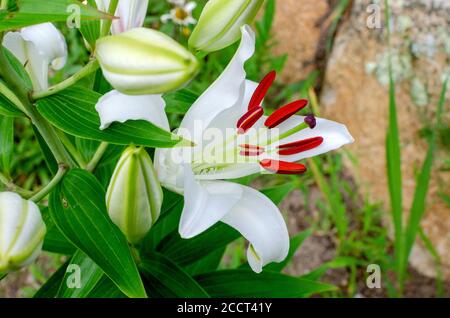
{"x": 335, "y": 53}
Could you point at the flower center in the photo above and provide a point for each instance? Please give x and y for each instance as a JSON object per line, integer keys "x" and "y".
{"x": 261, "y": 146}
{"x": 180, "y": 13}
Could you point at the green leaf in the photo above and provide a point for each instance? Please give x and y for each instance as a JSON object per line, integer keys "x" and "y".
{"x": 51, "y": 286}
{"x": 55, "y": 241}
{"x": 207, "y": 264}
{"x": 420, "y": 194}
{"x": 90, "y": 29}
{"x": 393, "y": 160}
{"x": 73, "y": 111}
{"x": 89, "y": 275}
{"x": 78, "y": 207}
{"x": 6, "y": 142}
{"x": 245, "y": 283}
{"x": 107, "y": 164}
{"x": 37, "y": 11}
{"x": 7, "y": 108}
{"x": 105, "y": 288}
{"x": 163, "y": 278}
{"x": 338, "y": 262}
{"x": 180, "y": 101}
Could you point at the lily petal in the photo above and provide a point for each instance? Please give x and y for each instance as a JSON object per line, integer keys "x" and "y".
{"x": 226, "y": 91}
{"x": 259, "y": 220}
{"x": 205, "y": 203}
{"x": 131, "y": 14}
{"x": 335, "y": 135}
{"x": 49, "y": 41}
{"x": 38, "y": 46}
{"x": 115, "y": 106}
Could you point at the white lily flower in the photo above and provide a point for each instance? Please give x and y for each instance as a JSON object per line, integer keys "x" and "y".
{"x": 281, "y": 139}
{"x": 131, "y": 14}
{"x": 37, "y": 47}
{"x": 117, "y": 107}
{"x": 22, "y": 232}
{"x": 181, "y": 14}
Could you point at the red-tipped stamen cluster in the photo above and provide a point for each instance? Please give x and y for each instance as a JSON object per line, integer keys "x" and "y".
{"x": 282, "y": 167}
{"x": 296, "y": 147}
{"x": 255, "y": 112}
{"x": 261, "y": 90}
{"x": 285, "y": 112}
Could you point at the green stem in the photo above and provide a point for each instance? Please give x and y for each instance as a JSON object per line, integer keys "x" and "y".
{"x": 97, "y": 156}
{"x": 10, "y": 186}
{"x": 5, "y": 91}
{"x": 41, "y": 194}
{"x": 71, "y": 149}
{"x": 89, "y": 68}
{"x": 106, "y": 24}
{"x": 45, "y": 129}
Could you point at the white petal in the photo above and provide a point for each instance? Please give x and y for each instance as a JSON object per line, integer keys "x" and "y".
{"x": 335, "y": 135}
{"x": 190, "y": 6}
{"x": 259, "y": 220}
{"x": 226, "y": 91}
{"x": 131, "y": 15}
{"x": 205, "y": 203}
{"x": 115, "y": 106}
{"x": 49, "y": 41}
{"x": 166, "y": 17}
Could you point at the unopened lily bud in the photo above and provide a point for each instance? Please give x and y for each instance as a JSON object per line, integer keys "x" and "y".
{"x": 144, "y": 61}
{"x": 22, "y": 232}
{"x": 220, "y": 23}
{"x": 134, "y": 195}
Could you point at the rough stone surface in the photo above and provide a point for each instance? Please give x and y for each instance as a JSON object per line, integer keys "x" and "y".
{"x": 298, "y": 27}
{"x": 355, "y": 92}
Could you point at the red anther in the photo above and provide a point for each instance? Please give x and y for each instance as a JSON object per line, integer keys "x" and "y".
{"x": 283, "y": 113}
{"x": 251, "y": 147}
{"x": 282, "y": 167}
{"x": 251, "y": 153}
{"x": 261, "y": 90}
{"x": 249, "y": 119}
{"x": 295, "y": 147}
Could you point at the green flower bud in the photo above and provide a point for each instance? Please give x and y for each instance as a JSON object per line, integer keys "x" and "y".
{"x": 22, "y": 232}
{"x": 220, "y": 23}
{"x": 144, "y": 61}
{"x": 134, "y": 195}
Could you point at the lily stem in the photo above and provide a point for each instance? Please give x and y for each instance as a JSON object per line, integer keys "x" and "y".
{"x": 11, "y": 186}
{"x": 97, "y": 156}
{"x": 71, "y": 149}
{"x": 106, "y": 25}
{"x": 47, "y": 131}
{"x": 89, "y": 68}
{"x": 41, "y": 194}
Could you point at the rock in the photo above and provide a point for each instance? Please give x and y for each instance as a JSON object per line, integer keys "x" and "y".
{"x": 304, "y": 19}
{"x": 355, "y": 92}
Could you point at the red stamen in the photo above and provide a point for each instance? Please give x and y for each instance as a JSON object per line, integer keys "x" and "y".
{"x": 249, "y": 119}
{"x": 251, "y": 150}
{"x": 283, "y": 113}
{"x": 251, "y": 147}
{"x": 282, "y": 167}
{"x": 295, "y": 147}
{"x": 261, "y": 90}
